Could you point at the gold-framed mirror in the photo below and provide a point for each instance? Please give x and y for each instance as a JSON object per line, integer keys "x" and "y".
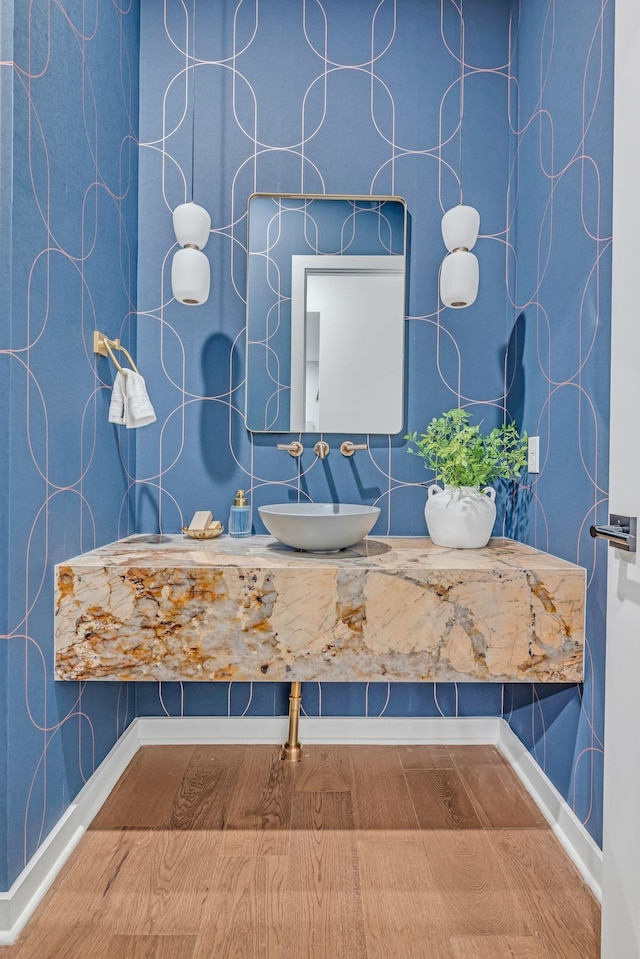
{"x": 325, "y": 313}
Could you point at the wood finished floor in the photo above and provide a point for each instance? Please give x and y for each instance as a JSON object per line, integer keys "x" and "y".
{"x": 358, "y": 852}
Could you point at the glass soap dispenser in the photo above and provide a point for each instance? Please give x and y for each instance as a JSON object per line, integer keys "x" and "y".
{"x": 240, "y": 516}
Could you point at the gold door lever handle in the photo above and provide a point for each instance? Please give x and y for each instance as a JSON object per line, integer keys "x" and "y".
{"x": 295, "y": 448}
{"x": 348, "y": 448}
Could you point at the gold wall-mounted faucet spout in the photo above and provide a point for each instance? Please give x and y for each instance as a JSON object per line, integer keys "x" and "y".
{"x": 348, "y": 448}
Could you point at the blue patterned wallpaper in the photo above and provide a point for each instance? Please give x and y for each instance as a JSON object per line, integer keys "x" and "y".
{"x": 69, "y": 82}
{"x": 5, "y": 301}
{"x": 507, "y": 109}
{"x": 558, "y": 370}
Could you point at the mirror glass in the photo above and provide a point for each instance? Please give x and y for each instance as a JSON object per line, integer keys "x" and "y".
{"x": 325, "y": 314}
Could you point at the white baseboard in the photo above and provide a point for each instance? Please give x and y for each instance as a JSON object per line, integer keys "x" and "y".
{"x": 317, "y": 729}
{"x": 579, "y": 845}
{"x": 18, "y": 904}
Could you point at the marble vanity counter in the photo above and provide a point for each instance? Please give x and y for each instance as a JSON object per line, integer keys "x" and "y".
{"x": 391, "y": 609}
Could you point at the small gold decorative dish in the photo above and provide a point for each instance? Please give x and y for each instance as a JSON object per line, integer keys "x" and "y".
{"x": 214, "y": 530}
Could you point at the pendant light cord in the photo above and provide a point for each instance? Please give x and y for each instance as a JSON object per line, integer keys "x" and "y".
{"x": 193, "y": 100}
{"x": 461, "y": 97}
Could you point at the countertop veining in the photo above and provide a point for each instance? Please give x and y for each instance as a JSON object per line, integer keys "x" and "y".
{"x": 166, "y": 607}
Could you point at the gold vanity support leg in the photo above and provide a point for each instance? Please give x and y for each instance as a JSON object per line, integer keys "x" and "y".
{"x": 292, "y": 750}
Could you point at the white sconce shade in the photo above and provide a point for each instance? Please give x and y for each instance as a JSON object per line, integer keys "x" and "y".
{"x": 190, "y": 276}
{"x": 460, "y": 227}
{"x": 190, "y": 270}
{"x": 459, "y": 278}
{"x": 192, "y": 224}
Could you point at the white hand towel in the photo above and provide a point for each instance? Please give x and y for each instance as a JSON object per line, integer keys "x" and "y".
{"x": 138, "y": 410}
{"x": 116, "y": 406}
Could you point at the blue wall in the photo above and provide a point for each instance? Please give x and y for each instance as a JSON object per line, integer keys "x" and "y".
{"x": 69, "y": 249}
{"x": 366, "y": 98}
{"x": 559, "y": 369}
{"x": 295, "y": 101}
{"x": 6, "y": 53}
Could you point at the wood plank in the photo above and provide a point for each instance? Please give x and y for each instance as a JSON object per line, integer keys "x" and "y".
{"x": 162, "y": 885}
{"x": 568, "y": 929}
{"x": 324, "y": 769}
{"x": 440, "y": 799}
{"x": 323, "y": 904}
{"x": 552, "y": 895}
{"x": 536, "y": 856}
{"x": 173, "y": 891}
{"x": 322, "y": 813}
{"x": 498, "y": 796}
{"x": 425, "y": 757}
{"x": 403, "y": 912}
{"x": 498, "y": 947}
{"x": 260, "y": 809}
{"x": 150, "y": 947}
{"x": 475, "y": 895}
{"x": 143, "y": 797}
{"x": 80, "y": 888}
{"x": 203, "y": 798}
{"x": 477, "y": 755}
{"x": 82, "y": 941}
{"x": 243, "y": 917}
{"x": 57, "y": 938}
{"x": 380, "y": 794}
{"x": 216, "y": 754}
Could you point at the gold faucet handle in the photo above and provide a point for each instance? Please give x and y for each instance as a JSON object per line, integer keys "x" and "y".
{"x": 295, "y": 448}
{"x": 348, "y": 448}
{"x": 321, "y": 449}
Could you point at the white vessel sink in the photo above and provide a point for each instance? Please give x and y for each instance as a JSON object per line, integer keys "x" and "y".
{"x": 319, "y": 527}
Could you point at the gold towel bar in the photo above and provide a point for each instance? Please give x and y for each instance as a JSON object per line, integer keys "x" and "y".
{"x": 105, "y": 347}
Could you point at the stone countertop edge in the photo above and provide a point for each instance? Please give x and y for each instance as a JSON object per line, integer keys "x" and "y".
{"x": 375, "y": 552}
{"x": 395, "y": 609}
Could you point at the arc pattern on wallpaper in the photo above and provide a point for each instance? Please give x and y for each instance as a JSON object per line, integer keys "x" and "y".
{"x": 69, "y": 224}
{"x": 436, "y": 102}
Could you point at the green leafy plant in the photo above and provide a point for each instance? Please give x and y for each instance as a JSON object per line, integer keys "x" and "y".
{"x": 461, "y": 456}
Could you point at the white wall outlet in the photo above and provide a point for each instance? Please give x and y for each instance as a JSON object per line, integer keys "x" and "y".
{"x": 533, "y": 455}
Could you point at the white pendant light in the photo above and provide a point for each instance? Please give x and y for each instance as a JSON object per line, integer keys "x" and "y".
{"x": 191, "y": 224}
{"x": 459, "y": 273}
{"x": 460, "y": 227}
{"x": 190, "y": 269}
{"x": 190, "y": 276}
{"x": 459, "y": 277}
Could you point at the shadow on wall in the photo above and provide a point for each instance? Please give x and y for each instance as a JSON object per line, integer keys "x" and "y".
{"x": 516, "y": 514}
{"x": 533, "y": 710}
{"x": 220, "y": 364}
{"x": 148, "y": 510}
{"x": 515, "y": 378}
{"x": 514, "y": 499}
{"x": 513, "y": 503}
